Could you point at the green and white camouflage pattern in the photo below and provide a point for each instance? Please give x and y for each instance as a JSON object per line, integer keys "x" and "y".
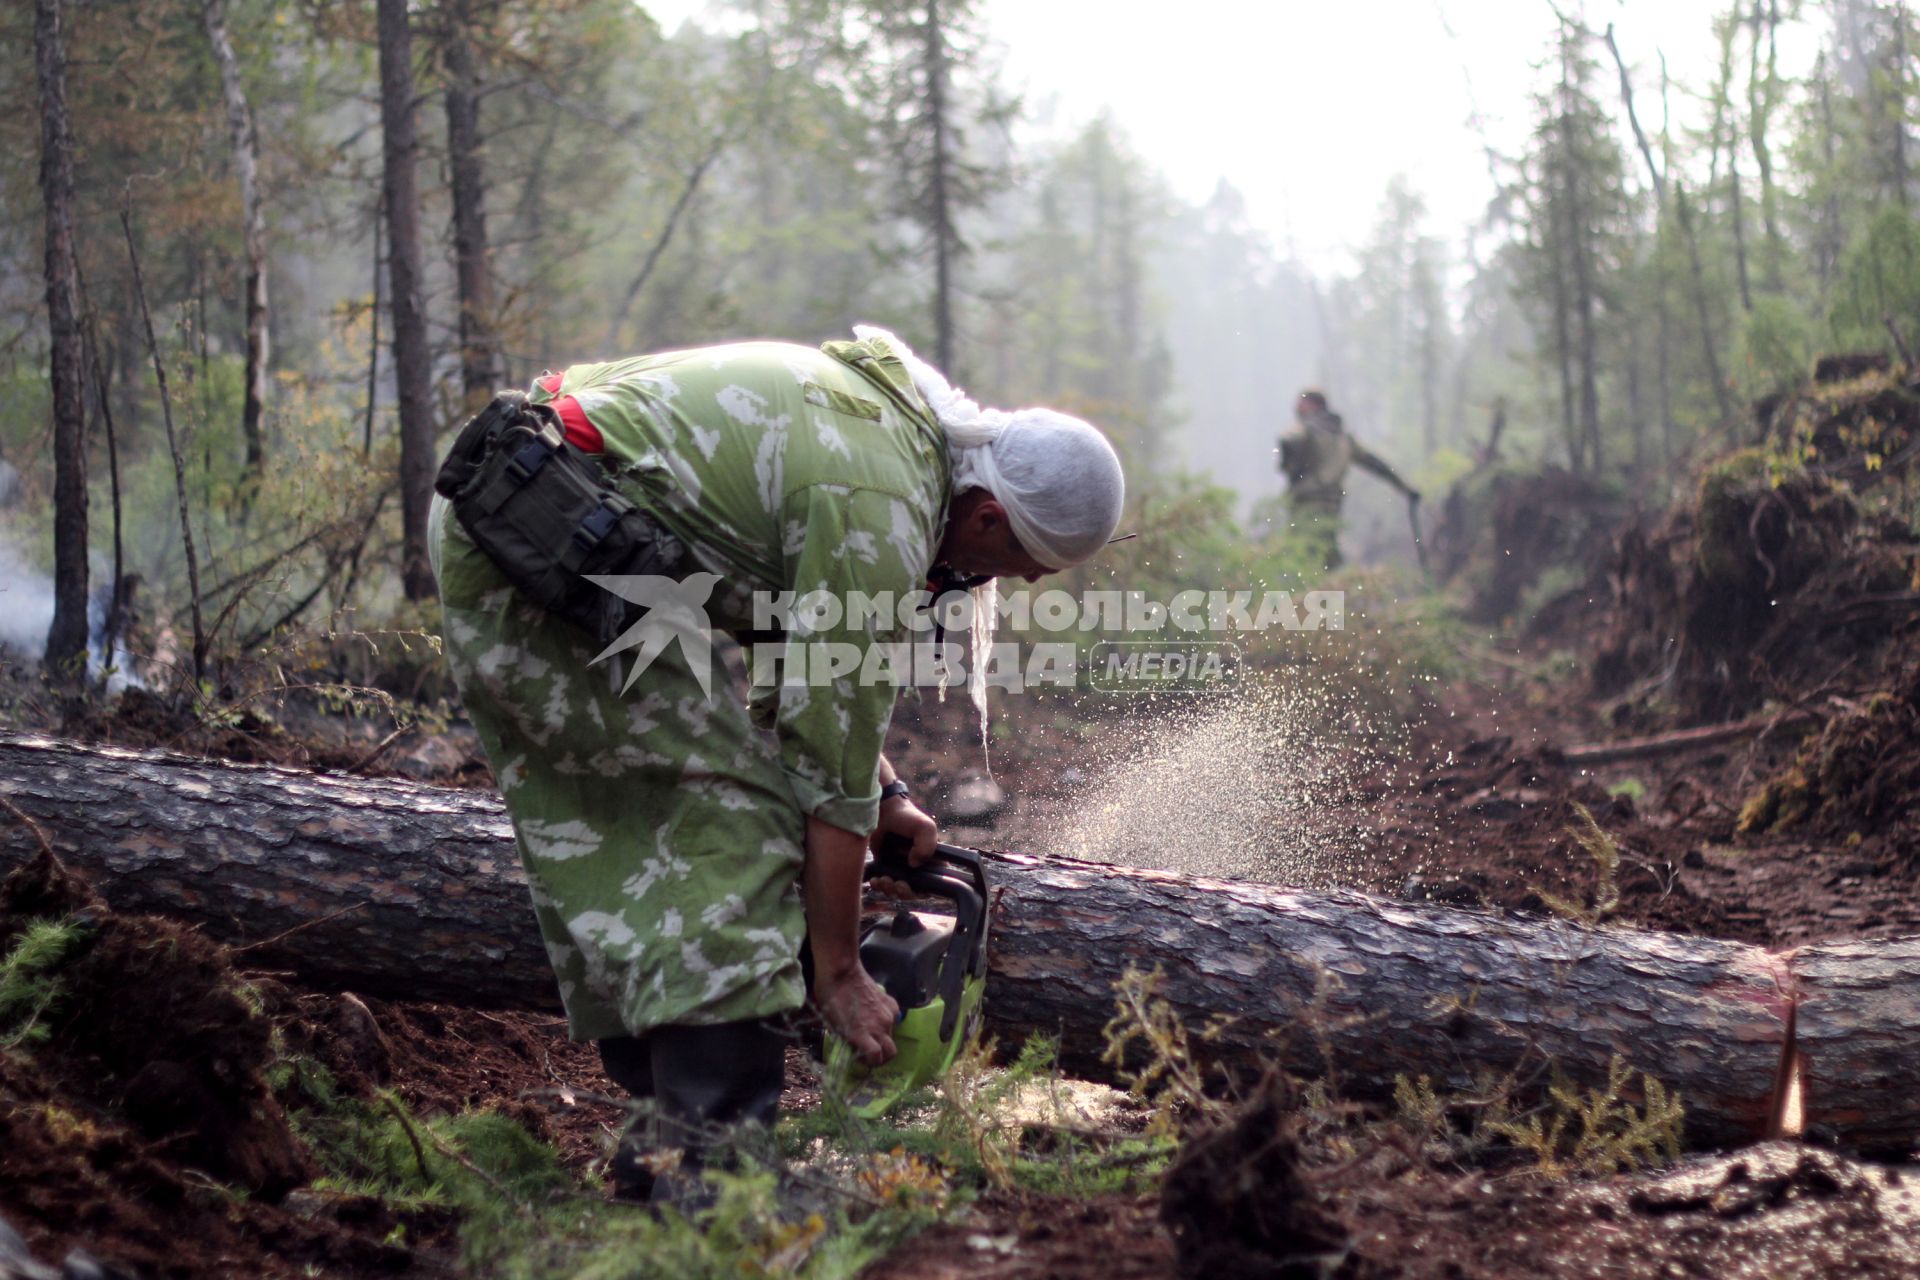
{"x": 661, "y": 829}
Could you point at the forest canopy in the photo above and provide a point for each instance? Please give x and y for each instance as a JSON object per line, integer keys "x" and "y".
{"x": 333, "y": 230}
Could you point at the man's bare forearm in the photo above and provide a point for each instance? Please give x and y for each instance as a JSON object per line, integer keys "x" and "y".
{"x": 830, "y": 880}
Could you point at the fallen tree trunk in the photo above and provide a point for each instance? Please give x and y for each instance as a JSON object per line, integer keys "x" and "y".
{"x": 398, "y": 889}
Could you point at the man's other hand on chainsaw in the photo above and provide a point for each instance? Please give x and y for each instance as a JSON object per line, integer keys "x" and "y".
{"x": 857, "y": 1010}
{"x": 901, "y": 820}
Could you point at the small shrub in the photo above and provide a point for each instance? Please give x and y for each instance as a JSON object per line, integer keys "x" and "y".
{"x": 29, "y": 983}
{"x": 1606, "y": 858}
{"x": 1600, "y": 1131}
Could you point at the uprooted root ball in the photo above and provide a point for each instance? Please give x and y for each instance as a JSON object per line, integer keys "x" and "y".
{"x": 167, "y": 1034}
{"x": 1236, "y": 1204}
{"x": 1859, "y": 773}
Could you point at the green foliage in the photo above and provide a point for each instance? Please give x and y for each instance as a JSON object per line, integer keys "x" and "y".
{"x": 29, "y": 981}
{"x": 1419, "y": 1110}
{"x": 1599, "y": 846}
{"x": 851, "y": 1189}
{"x": 1630, "y": 1122}
{"x": 522, "y": 1217}
{"x": 1015, "y": 1126}
{"x": 1879, "y": 279}
{"x": 1776, "y": 346}
{"x": 1148, "y": 1046}
{"x": 1600, "y": 1131}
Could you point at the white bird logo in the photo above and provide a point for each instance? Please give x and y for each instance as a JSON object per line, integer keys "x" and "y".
{"x": 675, "y": 610}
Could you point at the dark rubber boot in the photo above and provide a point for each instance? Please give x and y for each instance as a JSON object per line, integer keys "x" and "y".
{"x": 707, "y": 1082}
{"x": 628, "y": 1062}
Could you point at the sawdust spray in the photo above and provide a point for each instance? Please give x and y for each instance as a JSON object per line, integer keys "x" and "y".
{"x": 1253, "y": 782}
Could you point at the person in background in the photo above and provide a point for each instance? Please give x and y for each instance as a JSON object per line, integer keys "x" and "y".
{"x": 1315, "y": 457}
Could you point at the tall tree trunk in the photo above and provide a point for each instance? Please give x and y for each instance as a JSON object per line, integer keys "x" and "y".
{"x": 480, "y": 375}
{"x": 1563, "y": 347}
{"x": 67, "y": 637}
{"x": 1429, "y": 385}
{"x": 1739, "y": 229}
{"x": 1726, "y": 130}
{"x": 412, "y": 358}
{"x": 1830, "y": 238}
{"x": 200, "y": 637}
{"x": 1636, "y": 411}
{"x": 373, "y": 337}
{"x": 1707, "y": 345}
{"x": 939, "y": 196}
{"x": 246, "y": 163}
{"x": 1126, "y": 288}
{"x": 1662, "y": 328}
{"x": 530, "y": 234}
{"x": 1896, "y": 115}
{"x": 1659, "y": 182}
{"x": 1760, "y": 96}
{"x": 1052, "y": 334}
{"x": 657, "y": 251}
{"x": 1585, "y": 294}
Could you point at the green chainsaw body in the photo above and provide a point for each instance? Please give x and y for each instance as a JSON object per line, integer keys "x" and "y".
{"x": 935, "y": 968}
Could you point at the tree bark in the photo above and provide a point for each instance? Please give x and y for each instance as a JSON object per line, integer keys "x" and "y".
{"x": 1857, "y": 1006}
{"x": 473, "y": 269}
{"x": 1707, "y": 346}
{"x": 246, "y": 163}
{"x": 412, "y": 359}
{"x": 939, "y": 210}
{"x": 200, "y": 637}
{"x": 67, "y": 637}
{"x": 403, "y": 890}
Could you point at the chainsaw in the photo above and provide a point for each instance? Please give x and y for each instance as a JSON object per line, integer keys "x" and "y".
{"x": 935, "y": 968}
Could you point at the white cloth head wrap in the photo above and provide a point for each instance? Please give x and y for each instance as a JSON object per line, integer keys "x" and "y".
{"x": 1057, "y": 477}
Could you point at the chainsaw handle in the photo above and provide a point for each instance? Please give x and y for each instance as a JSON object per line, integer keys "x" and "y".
{"x": 895, "y": 847}
{"x": 958, "y": 874}
{"x": 928, "y": 880}
{"x": 954, "y": 873}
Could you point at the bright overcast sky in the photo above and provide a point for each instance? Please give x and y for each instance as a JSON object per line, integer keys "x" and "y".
{"x": 1310, "y": 108}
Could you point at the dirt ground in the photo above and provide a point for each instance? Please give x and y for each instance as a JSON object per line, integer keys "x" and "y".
{"x": 1805, "y": 828}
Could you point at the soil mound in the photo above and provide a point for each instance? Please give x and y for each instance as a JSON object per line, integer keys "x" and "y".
{"x": 1236, "y": 1204}
{"x": 136, "y": 1116}
{"x": 1859, "y": 775}
{"x": 1766, "y": 581}
{"x": 301, "y": 732}
{"x": 157, "y": 1023}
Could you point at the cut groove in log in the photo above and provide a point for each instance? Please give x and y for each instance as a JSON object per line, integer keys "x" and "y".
{"x": 398, "y": 889}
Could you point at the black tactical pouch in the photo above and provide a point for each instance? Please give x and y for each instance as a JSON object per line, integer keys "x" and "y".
{"x": 1293, "y": 461}
{"x": 547, "y": 515}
